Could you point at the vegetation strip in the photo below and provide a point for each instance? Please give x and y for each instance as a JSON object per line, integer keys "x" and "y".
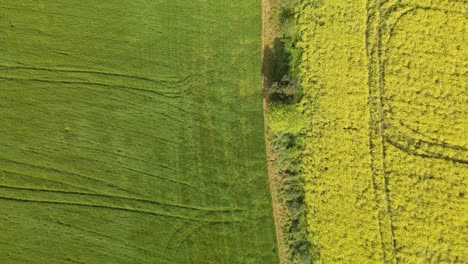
{"x": 283, "y": 134}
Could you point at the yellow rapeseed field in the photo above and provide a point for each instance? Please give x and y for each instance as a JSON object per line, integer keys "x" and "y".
{"x": 385, "y": 159}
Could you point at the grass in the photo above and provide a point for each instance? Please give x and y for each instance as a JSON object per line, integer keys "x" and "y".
{"x": 132, "y": 132}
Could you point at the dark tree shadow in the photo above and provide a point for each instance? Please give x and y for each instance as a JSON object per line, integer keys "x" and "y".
{"x": 275, "y": 62}
{"x": 279, "y": 84}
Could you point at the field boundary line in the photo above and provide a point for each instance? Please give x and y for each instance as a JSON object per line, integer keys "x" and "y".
{"x": 273, "y": 177}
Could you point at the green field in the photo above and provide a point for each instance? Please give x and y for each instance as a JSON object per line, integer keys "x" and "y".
{"x": 132, "y": 132}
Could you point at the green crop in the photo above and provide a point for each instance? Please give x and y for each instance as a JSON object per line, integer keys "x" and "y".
{"x": 132, "y": 132}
